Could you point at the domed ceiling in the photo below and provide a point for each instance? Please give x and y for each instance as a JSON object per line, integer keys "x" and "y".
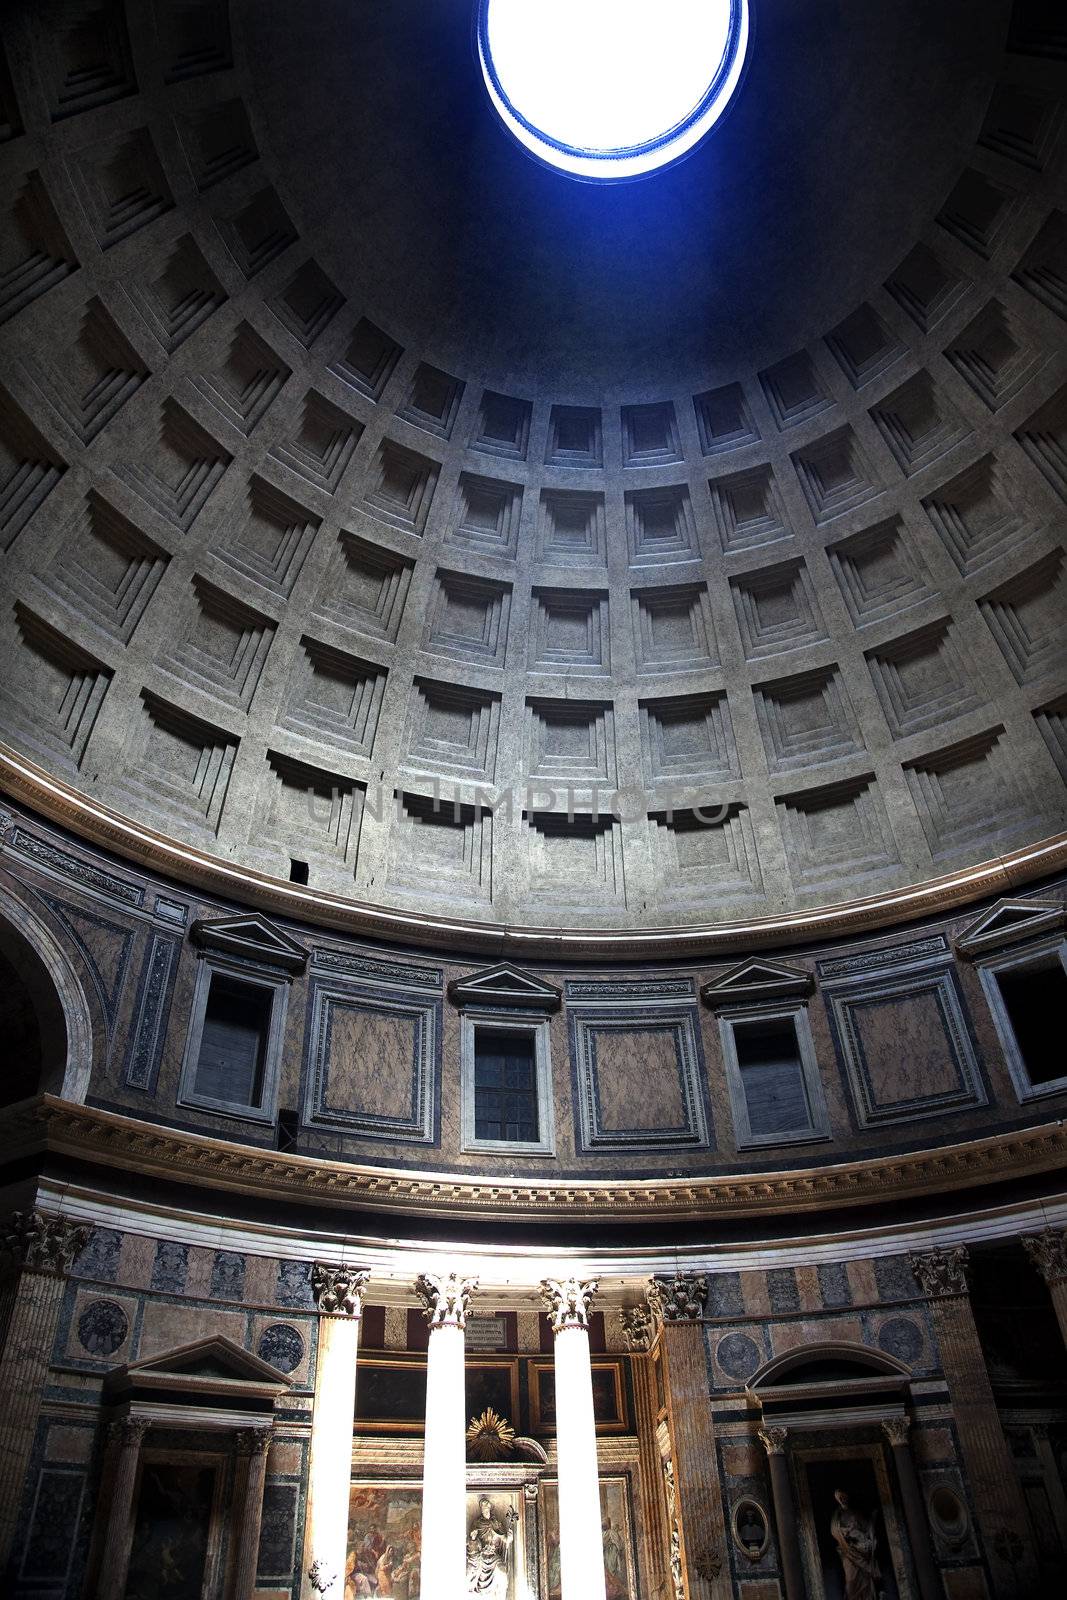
{"x": 352, "y": 464}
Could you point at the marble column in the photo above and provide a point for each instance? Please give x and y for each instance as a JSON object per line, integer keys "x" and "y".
{"x": 1048, "y": 1253}
{"x": 37, "y": 1250}
{"x": 774, "y": 1441}
{"x": 252, "y": 1447}
{"x": 679, "y": 1303}
{"x": 998, "y": 1499}
{"x": 445, "y": 1297}
{"x": 581, "y": 1550}
{"x": 897, "y": 1430}
{"x": 126, "y": 1439}
{"x": 338, "y": 1293}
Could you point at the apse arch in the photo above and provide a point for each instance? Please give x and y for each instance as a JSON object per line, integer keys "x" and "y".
{"x": 55, "y": 995}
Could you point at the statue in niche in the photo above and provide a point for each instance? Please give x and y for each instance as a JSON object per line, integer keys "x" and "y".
{"x": 489, "y": 1546}
{"x": 856, "y": 1541}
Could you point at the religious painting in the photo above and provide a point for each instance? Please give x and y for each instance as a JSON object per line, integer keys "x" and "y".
{"x": 172, "y": 1531}
{"x": 616, "y": 1537}
{"x": 390, "y": 1395}
{"x": 609, "y": 1405}
{"x": 385, "y": 1538}
{"x": 493, "y": 1386}
{"x": 384, "y": 1541}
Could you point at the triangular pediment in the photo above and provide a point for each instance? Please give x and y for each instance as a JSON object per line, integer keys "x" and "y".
{"x": 1009, "y": 922}
{"x": 253, "y": 938}
{"x": 505, "y": 985}
{"x": 213, "y": 1358}
{"x": 758, "y": 979}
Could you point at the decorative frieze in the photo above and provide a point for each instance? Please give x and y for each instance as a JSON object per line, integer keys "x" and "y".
{"x": 568, "y": 1301}
{"x": 338, "y": 1290}
{"x": 445, "y": 1298}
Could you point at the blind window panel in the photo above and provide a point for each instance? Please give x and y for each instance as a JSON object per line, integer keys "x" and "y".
{"x": 233, "y": 1044}
{"x": 1032, "y": 997}
{"x": 772, "y": 1074}
{"x": 505, "y": 1087}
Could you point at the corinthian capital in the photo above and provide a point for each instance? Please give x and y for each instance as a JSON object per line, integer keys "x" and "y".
{"x": 678, "y": 1299}
{"x": 338, "y": 1290}
{"x": 774, "y": 1440}
{"x": 896, "y": 1429}
{"x": 445, "y": 1298}
{"x": 941, "y": 1272}
{"x": 42, "y": 1242}
{"x": 1048, "y": 1253}
{"x": 567, "y": 1301}
{"x": 637, "y": 1327}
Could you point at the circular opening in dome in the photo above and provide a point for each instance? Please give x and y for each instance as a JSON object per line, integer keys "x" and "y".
{"x": 611, "y": 89}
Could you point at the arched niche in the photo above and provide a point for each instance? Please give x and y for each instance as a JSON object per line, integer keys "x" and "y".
{"x": 45, "y": 1004}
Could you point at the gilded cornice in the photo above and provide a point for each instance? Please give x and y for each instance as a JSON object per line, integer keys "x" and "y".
{"x": 56, "y": 801}
{"x": 52, "y": 1126}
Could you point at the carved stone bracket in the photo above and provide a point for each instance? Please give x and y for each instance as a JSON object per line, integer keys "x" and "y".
{"x": 1048, "y": 1253}
{"x": 445, "y": 1298}
{"x": 678, "y": 1299}
{"x": 568, "y": 1300}
{"x": 338, "y": 1290}
{"x": 941, "y": 1272}
{"x": 638, "y": 1326}
{"x": 897, "y": 1429}
{"x": 42, "y": 1242}
{"x": 774, "y": 1440}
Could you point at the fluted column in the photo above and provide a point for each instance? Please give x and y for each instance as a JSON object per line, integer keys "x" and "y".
{"x": 581, "y": 1552}
{"x": 126, "y": 1439}
{"x": 38, "y": 1250}
{"x": 1048, "y": 1253}
{"x": 338, "y": 1292}
{"x": 774, "y": 1441}
{"x": 679, "y": 1302}
{"x": 445, "y": 1297}
{"x": 252, "y": 1447}
{"x": 998, "y": 1499}
{"x": 897, "y": 1430}
{"x": 638, "y": 1329}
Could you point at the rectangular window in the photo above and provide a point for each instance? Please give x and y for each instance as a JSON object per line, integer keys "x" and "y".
{"x": 233, "y": 1043}
{"x": 1035, "y": 999}
{"x": 772, "y": 1076}
{"x": 505, "y": 1087}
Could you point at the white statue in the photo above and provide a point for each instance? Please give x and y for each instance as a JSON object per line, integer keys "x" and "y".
{"x": 489, "y": 1547}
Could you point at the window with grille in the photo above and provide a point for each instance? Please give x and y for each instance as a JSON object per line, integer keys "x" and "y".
{"x": 505, "y": 1087}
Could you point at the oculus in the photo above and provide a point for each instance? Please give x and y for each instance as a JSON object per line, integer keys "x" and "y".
{"x": 611, "y": 89}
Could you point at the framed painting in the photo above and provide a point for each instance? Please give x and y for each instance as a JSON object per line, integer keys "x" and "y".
{"x": 390, "y": 1395}
{"x": 176, "y": 1531}
{"x": 616, "y": 1536}
{"x": 609, "y": 1397}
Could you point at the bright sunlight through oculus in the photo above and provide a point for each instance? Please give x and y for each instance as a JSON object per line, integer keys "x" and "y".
{"x": 609, "y": 89}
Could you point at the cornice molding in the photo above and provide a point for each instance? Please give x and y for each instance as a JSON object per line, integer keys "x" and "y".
{"x": 154, "y": 852}
{"x": 49, "y": 1125}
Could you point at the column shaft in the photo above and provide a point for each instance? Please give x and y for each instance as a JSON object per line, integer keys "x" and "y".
{"x": 40, "y": 1249}
{"x": 254, "y": 1448}
{"x": 581, "y": 1555}
{"x": 696, "y": 1467}
{"x": 930, "y": 1586}
{"x": 128, "y": 1437}
{"x": 444, "y": 1465}
{"x": 1058, "y": 1291}
{"x": 650, "y": 1470}
{"x": 785, "y": 1517}
{"x": 339, "y": 1296}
